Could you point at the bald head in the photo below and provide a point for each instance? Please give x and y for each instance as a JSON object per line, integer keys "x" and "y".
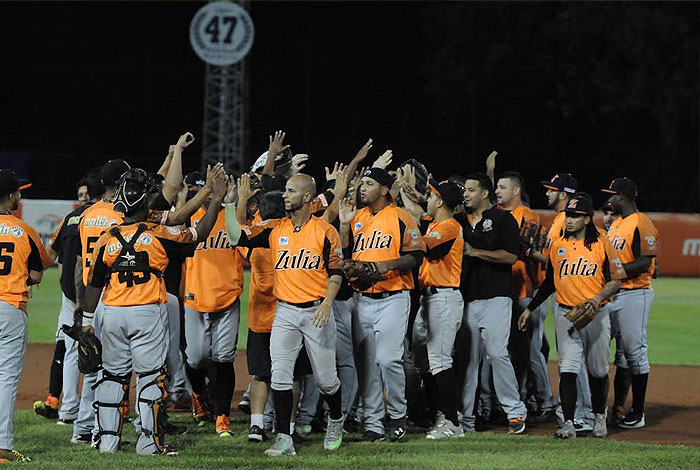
{"x": 300, "y": 190}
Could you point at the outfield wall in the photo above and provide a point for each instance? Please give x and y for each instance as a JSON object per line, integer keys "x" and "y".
{"x": 679, "y": 234}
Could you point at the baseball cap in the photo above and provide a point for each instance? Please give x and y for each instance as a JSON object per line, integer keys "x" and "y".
{"x": 622, "y": 186}
{"x": 113, "y": 170}
{"x": 579, "y": 205}
{"x": 9, "y": 183}
{"x": 380, "y": 175}
{"x": 194, "y": 178}
{"x": 450, "y": 192}
{"x": 562, "y": 182}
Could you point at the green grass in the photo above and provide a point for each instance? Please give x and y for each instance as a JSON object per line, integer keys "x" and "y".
{"x": 200, "y": 449}
{"x": 674, "y": 326}
{"x": 674, "y": 323}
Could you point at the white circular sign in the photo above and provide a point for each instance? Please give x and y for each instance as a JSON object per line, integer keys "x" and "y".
{"x": 221, "y": 33}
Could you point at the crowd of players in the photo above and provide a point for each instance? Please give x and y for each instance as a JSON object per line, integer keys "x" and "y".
{"x": 450, "y": 339}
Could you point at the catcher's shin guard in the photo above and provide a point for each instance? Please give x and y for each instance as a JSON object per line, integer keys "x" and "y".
{"x": 110, "y": 392}
{"x": 151, "y": 386}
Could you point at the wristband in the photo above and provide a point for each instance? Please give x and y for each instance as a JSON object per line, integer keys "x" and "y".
{"x": 87, "y": 320}
{"x": 327, "y": 304}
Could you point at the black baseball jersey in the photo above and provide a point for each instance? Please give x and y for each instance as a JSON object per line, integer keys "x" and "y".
{"x": 66, "y": 243}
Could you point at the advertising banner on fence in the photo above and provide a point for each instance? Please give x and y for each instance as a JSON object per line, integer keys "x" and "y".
{"x": 679, "y": 240}
{"x": 44, "y": 215}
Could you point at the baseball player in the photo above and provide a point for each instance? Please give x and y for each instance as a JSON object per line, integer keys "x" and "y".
{"x": 583, "y": 268}
{"x": 441, "y": 303}
{"x": 526, "y": 279}
{"x": 22, "y": 262}
{"x": 609, "y": 215}
{"x": 635, "y": 240}
{"x": 127, "y": 264}
{"x": 491, "y": 249}
{"x": 387, "y": 235}
{"x": 96, "y": 219}
{"x": 213, "y": 284}
{"x": 560, "y": 189}
{"x": 64, "y": 375}
{"x": 305, "y": 251}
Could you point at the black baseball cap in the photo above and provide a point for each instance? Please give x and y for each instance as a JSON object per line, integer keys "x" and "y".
{"x": 9, "y": 183}
{"x": 194, "y": 178}
{"x": 451, "y": 193}
{"x": 380, "y": 175}
{"x": 113, "y": 170}
{"x": 622, "y": 186}
{"x": 580, "y": 204}
{"x": 562, "y": 182}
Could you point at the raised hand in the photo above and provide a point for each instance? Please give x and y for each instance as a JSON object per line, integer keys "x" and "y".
{"x": 364, "y": 150}
{"x": 245, "y": 191}
{"x": 185, "y": 140}
{"x": 347, "y": 211}
{"x": 230, "y": 191}
{"x": 341, "y": 185}
{"x": 491, "y": 161}
{"x": 337, "y": 169}
{"x": 298, "y": 162}
{"x": 220, "y": 181}
{"x": 384, "y": 160}
{"x": 277, "y": 144}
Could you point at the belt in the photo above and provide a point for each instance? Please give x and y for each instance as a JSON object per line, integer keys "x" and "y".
{"x": 565, "y": 307}
{"x": 309, "y": 304}
{"x": 427, "y": 291}
{"x": 380, "y": 295}
{"x": 627, "y": 290}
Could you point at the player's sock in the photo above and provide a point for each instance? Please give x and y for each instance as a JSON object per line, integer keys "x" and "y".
{"x": 292, "y": 425}
{"x": 335, "y": 404}
{"x": 599, "y": 392}
{"x": 445, "y": 385}
{"x": 432, "y": 393}
{"x": 621, "y": 385}
{"x": 567, "y": 394}
{"x": 256, "y": 420}
{"x": 56, "y": 372}
{"x": 197, "y": 378}
{"x": 639, "y": 392}
{"x": 283, "y": 409}
{"x": 223, "y": 387}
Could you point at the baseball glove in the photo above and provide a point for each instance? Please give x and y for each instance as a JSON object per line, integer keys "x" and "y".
{"x": 530, "y": 237}
{"x": 89, "y": 346}
{"x": 583, "y": 313}
{"x": 361, "y": 275}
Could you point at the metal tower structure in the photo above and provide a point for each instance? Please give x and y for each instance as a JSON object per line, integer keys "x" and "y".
{"x": 225, "y": 133}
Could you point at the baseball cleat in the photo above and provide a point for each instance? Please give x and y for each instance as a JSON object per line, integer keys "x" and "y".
{"x": 632, "y": 421}
{"x": 256, "y": 434}
{"x": 48, "y": 408}
{"x": 283, "y": 446}
{"x": 600, "y": 428}
{"x": 13, "y": 456}
{"x": 371, "y": 436}
{"x": 303, "y": 429}
{"x": 179, "y": 404}
{"x": 397, "y": 433}
{"x": 223, "y": 426}
{"x": 334, "y": 433}
{"x": 199, "y": 414}
{"x": 567, "y": 431}
{"x": 446, "y": 430}
{"x": 65, "y": 422}
{"x": 244, "y": 405}
{"x": 81, "y": 439}
{"x": 516, "y": 425}
{"x": 166, "y": 450}
{"x": 173, "y": 430}
{"x": 582, "y": 425}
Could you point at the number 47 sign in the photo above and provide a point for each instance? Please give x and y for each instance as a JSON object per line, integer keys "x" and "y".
{"x": 221, "y": 33}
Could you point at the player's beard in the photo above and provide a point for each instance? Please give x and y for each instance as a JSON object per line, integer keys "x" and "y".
{"x": 294, "y": 207}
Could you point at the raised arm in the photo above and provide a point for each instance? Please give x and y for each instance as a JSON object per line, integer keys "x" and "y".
{"x": 182, "y": 214}
{"x": 275, "y": 148}
{"x": 346, "y": 213}
{"x": 173, "y": 179}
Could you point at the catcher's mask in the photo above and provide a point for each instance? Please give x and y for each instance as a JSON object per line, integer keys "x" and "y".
{"x": 133, "y": 189}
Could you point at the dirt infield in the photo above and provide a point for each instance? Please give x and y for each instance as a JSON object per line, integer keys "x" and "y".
{"x": 672, "y": 412}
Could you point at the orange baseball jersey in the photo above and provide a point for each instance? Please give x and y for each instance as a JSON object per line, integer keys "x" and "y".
{"x": 386, "y": 235}
{"x": 556, "y": 231}
{"x": 302, "y": 260}
{"x": 579, "y": 272}
{"x": 634, "y": 236}
{"x": 525, "y": 273}
{"x": 96, "y": 220}
{"x": 261, "y": 299}
{"x": 442, "y": 265}
{"x": 214, "y": 275}
{"x": 21, "y": 251}
{"x": 158, "y": 243}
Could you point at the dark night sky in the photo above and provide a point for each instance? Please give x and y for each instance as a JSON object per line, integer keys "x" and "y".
{"x": 550, "y": 86}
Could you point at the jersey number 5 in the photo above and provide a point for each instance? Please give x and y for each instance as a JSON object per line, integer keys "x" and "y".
{"x": 6, "y": 260}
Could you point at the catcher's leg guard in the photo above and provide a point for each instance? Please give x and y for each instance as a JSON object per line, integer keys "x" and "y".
{"x": 110, "y": 392}
{"x": 151, "y": 386}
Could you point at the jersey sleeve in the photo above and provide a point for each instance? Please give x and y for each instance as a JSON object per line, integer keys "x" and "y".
{"x": 332, "y": 252}
{"x": 424, "y": 223}
{"x": 647, "y": 238}
{"x": 439, "y": 241}
{"x": 98, "y": 272}
{"x": 56, "y": 242}
{"x": 612, "y": 265}
{"x": 508, "y": 234}
{"x": 158, "y": 216}
{"x": 258, "y": 235}
{"x": 46, "y": 260}
{"x": 411, "y": 239}
{"x": 174, "y": 234}
{"x": 322, "y": 201}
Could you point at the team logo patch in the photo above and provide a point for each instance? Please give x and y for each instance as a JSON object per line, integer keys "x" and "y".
{"x": 339, "y": 252}
{"x": 561, "y": 251}
{"x": 488, "y": 225}
{"x": 572, "y": 204}
{"x": 263, "y": 222}
{"x": 174, "y": 231}
{"x": 358, "y": 225}
{"x": 196, "y": 222}
{"x": 284, "y": 240}
{"x": 247, "y": 231}
{"x": 435, "y": 235}
{"x": 650, "y": 240}
{"x": 17, "y": 232}
{"x": 146, "y": 239}
{"x": 414, "y": 233}
{"x": 618, "y": 263}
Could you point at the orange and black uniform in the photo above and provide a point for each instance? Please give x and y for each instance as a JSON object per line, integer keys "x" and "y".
{"x": 96, "y": 220}
{"x": 65, "y": 242}
{"x": 442, "y": 265}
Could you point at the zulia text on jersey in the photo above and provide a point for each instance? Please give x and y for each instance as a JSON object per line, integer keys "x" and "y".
{"x": 302, "y": 260}
{"x": 218, "y": 241}
{"x": 581, "y": 267}
{"x": 376, "y": 241}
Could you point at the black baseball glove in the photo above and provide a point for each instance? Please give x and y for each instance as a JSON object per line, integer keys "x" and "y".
{"x": 89, "y": 346}
{"x": 530, "y": 237}
{"x": 361, "y": 275}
